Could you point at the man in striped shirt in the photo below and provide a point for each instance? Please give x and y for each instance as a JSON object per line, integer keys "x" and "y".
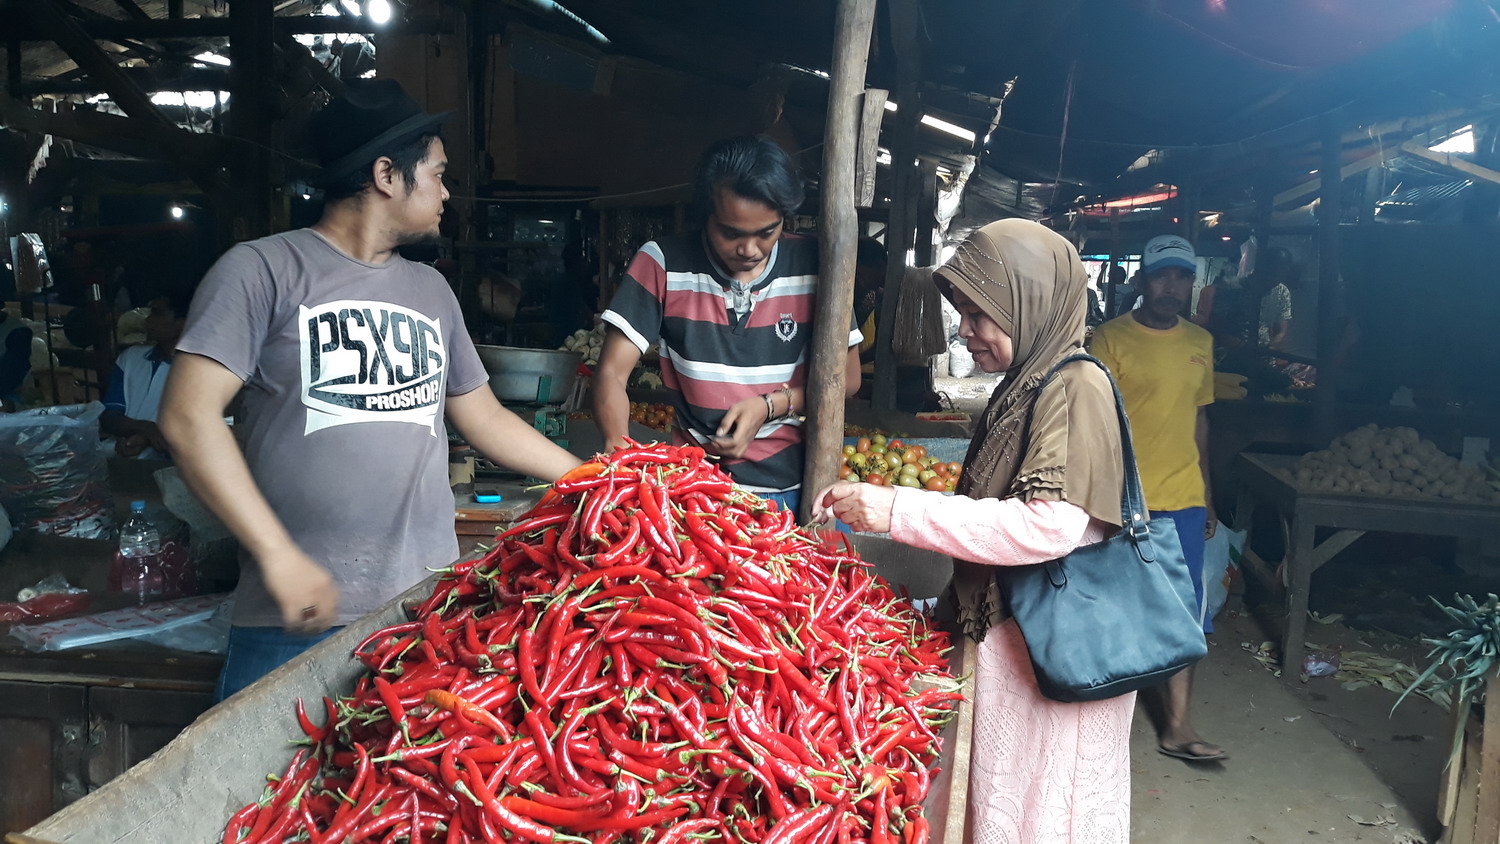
{"x": 732, "y": 308}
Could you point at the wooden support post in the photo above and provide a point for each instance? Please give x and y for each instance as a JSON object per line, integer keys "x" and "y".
{"x": 1374, "y": 192}
{"x": 1330, "y": 212}
{"x": 838, "y": 239}
{"x": 872, "y": 114}
{"x": 1112, "y": 292}
{"x": 13, "y": 68}
{"x": 606, "y": 280}
{"x": 905, "y": 21}
{"x": 251, "y": 115}
{"x": 1192, "y": 201}
{"x": 926, "y": 219}
{"x": 174, "y": 9}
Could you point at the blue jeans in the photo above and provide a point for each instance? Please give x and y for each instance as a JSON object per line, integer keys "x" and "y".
{"x": 255, "y": 652}
{"x": 789, "y": 500}
{"x": 1190, "y": 526}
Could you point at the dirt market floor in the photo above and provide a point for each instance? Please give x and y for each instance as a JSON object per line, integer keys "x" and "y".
{"x": 1310, "y": 763}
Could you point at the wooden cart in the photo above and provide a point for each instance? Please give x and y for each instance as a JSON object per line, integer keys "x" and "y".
{"x": 187, "y": 791}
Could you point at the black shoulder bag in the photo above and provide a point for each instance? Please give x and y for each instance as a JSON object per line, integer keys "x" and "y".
{"x": 1112, "y": 617}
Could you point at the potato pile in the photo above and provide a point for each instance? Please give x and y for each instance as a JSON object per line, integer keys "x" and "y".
{"x": 1392, "y": 461}
{"x": 587, "y": 343}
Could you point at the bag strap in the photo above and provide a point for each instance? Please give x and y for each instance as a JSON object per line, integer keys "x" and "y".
{"x": 1132, "y": 497}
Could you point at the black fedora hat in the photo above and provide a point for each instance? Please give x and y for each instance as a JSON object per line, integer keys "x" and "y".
{"x": 373, "y": 116}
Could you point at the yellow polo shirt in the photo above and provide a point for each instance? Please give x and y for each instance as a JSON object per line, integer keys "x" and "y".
{"x": 1165, "y": 376}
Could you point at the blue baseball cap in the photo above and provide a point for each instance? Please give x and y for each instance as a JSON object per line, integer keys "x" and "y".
{"x": 1168, "y": 250}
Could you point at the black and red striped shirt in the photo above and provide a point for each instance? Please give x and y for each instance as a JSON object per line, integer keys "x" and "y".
{"x": 675, "y": 294}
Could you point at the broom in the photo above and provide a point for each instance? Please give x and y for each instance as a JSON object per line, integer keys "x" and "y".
{"x": 918, "y": 333}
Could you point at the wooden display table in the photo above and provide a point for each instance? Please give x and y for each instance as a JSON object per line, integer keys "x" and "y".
{"x": 74, "y": 720}
{"x": 1267, "y": 480}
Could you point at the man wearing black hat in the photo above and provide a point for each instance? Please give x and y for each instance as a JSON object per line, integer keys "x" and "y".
{"x": 349, "y": 358}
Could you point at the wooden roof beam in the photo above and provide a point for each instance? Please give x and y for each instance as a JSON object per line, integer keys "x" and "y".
{"x": 1447, "y": 161}
{"x": 218, "y": 27}
{"x": 132, "y": 11}
{"x": 81, "y": 48}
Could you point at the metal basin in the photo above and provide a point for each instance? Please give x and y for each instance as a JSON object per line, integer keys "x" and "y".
{"x": 517, "y": 375}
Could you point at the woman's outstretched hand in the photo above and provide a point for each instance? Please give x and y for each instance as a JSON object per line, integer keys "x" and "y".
{"x": 863, "y": 507}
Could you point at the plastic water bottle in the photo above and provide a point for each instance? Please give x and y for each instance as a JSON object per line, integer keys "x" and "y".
{"x": 138, "y": 560}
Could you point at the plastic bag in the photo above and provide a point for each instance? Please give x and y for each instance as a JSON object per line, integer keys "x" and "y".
{"x": 1321, "y": 664}
{"x": 131, "y": 623}
{"x": 46, "y": 605}
{"x": 1221, "y": 564}
{"x": 209, "y": 636}
{"x": 960, "y": 361}
{"x": 53, "y": 474}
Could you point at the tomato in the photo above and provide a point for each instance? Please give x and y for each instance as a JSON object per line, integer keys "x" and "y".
{"x": 935, "y": 484}
{"x": 851, "y": 476}
{"x": 849, "y": 450}
{"x": 863, "y": 445}
{"x": 877, "y": 448}
{"x": 921, "y": 450}
{"x": 859, "y": 461}
{"x": 926, "y": 475}
{"x": 912, "y": 458}
{"x": 955, "y": 469}
{"x": 909, "y": 469}
{"x": 878, "y": 439}
{"x": 911, "y": 481}
{"x": 875, "y": 478}
{"x": 895, "y": 444}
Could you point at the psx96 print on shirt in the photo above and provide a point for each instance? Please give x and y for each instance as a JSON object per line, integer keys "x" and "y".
{"x": 365, "y": 361}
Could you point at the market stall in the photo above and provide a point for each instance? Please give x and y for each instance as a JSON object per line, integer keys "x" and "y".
{"x": 78, "y": 717}
{"x": 1270, "y": 482}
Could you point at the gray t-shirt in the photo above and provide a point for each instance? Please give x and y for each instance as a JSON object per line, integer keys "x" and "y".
{"x": 346, "y": 367}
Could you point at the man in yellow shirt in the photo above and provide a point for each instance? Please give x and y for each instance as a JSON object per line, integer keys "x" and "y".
{"x": 1164, "y": 365}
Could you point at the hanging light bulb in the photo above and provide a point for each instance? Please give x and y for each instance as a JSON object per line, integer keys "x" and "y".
{"x": 378, "y": 11}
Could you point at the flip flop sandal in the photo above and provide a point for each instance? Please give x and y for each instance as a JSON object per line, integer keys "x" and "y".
{"x": 1184, "y": 753}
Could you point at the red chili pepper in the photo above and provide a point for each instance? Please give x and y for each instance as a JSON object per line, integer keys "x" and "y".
{"x": 461, "y": 707}
{"x": 797, "y": 826}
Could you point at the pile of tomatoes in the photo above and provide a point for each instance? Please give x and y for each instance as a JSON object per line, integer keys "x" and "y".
{"x": 657, "y": 417}
{"x": 877, "y": 460}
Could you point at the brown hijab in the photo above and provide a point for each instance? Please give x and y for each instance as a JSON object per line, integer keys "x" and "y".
{"x": 1029, "y": 280}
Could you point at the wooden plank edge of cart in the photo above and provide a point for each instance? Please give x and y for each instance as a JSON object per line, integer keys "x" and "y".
{"x": 1469, "y": 800}
{"x": 187, "y": 790}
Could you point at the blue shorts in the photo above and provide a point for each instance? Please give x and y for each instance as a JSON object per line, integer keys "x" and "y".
{"x": 255, "y": 652}
{"x": 1190, "y": 526}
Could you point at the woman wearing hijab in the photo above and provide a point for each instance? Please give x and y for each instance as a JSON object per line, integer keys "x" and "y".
{"x": 1042, "y": 771}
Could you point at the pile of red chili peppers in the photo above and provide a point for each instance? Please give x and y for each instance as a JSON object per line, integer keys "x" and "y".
{"x": 651, "y": 655}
